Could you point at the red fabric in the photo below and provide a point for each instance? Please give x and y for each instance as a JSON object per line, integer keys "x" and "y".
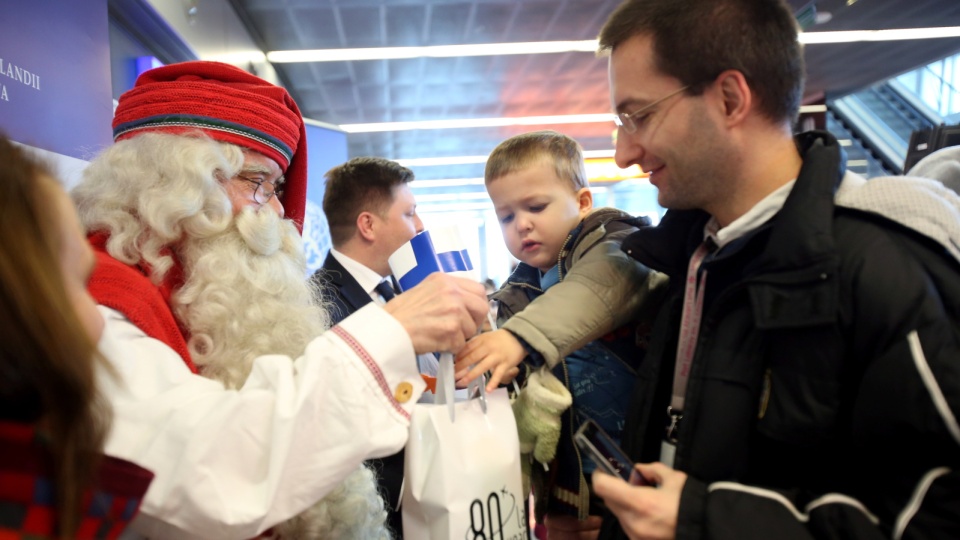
{"x": 229, "y": 105}
{"x": 26, "y": 490}
{"x": 127, "y": 289}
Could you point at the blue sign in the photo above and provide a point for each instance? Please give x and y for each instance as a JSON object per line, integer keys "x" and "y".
{"x": 55, "y": 90}
{"x": 326, "y": 148}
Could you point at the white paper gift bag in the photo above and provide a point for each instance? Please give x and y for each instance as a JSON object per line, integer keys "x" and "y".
{"x": 462, "y": 461}
{"x": 462, "y": 475}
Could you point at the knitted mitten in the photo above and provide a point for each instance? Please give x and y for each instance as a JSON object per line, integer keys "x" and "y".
{"x": 537, "y": 410}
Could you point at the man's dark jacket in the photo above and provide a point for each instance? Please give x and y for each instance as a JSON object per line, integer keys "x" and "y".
{"x": 340, "y": 288}
{"x": 347, "y": 296}
{"x": 825, "y": 387}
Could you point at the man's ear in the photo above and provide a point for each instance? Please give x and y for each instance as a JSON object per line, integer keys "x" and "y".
{"x": 585, "y": 200}
{"x": 736, "y": 94}
{"x": 366, "y": 222}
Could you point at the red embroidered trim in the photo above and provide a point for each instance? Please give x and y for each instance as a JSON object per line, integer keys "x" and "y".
{"x": 372, "y": 366}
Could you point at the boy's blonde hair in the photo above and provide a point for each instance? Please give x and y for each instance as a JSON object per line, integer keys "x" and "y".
{"x": 521, "y": 151}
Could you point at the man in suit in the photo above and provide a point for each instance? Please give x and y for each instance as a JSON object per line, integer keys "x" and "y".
{"x": 371, "y": 212}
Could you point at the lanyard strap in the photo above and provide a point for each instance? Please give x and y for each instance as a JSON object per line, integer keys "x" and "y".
{"x": 689, "y": 325}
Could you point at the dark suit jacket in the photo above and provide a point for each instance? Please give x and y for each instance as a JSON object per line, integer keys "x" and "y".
{"x": 347, "y": 296}
{"x": 340, "y": 287}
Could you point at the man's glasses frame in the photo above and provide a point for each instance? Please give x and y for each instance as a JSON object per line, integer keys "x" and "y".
{"x": 629, "y": 122}
{"x": 261, "y": 193}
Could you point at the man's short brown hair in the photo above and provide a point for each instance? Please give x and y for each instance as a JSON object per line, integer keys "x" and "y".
{"x": 697, "y": 40}
{"x": 363, "y": 184}
{"x": 521, "y": 151}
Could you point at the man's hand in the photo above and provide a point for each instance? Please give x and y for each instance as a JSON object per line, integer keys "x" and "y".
{"x": 440, "y": 313}
{"x": 644, "y": 512}
{"x": 498, "y": 351}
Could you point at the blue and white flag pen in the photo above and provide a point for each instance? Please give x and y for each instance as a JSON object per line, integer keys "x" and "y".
{"x": 438, "y": 250}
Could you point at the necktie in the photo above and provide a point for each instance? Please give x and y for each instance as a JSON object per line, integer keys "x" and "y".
{"x": 385, "y": 289}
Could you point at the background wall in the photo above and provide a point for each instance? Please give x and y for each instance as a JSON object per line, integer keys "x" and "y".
{"x": 55, "y": 80}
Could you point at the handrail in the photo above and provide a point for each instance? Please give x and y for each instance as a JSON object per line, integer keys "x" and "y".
{"x": 886, "y": 100}
{"x": 891, "y": 148}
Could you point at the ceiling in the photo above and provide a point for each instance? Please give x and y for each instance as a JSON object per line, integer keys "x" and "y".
{"x": 520, "y": 85}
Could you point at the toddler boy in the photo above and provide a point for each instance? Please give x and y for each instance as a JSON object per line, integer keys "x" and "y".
{"x": 573, "y": 286}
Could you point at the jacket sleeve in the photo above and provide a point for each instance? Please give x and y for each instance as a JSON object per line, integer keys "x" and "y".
{"x": 729, "y": 511}
{"x": 232, "y": 463}
{"x": 903, "y": 479}
{"x": 603, "y": 290}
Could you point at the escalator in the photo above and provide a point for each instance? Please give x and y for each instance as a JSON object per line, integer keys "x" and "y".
{"x": 878, "y": 120}
{"x": 893, "y": 110}
{"x": 860, "y": 159}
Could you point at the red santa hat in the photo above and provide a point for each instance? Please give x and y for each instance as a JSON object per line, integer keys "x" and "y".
{"x": 229, "y": 105}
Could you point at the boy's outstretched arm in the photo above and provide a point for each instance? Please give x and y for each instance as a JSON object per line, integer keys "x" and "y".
{"x": 604, "y": 289}
{"x": 498, "y": 352}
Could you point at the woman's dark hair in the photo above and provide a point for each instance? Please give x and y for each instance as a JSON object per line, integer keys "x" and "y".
{"x": 47, "y": 358}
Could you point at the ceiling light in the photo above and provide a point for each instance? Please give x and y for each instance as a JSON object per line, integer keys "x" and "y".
{"x": 589, "y": 45}
{"x": 498, "y": 122}
{"x": 479, "y": 122}
{"x": 604, "y": 169}
{"x": 435, "y": 51}
{"x": 443, "y": 197}
{"x": 446, "y": 182}
{"x": 454, "y": 207}
{"x": 238, "y": 57}
{"x": 427, "y": 162}
{"x": 850, "y": 36}
{"x": 470, "y": 160}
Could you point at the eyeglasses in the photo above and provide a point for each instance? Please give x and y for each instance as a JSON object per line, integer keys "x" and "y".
{"x": 261, "y": 193}
{"x": 631, "y": 122}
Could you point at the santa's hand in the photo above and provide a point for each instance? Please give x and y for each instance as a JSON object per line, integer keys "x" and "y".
{"x": 441, "y": 312}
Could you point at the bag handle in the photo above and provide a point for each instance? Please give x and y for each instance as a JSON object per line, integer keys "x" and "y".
{"x": 445, "y": 380}
{"x": 446, "y": 386}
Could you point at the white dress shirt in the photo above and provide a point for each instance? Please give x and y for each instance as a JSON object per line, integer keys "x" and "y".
{"x": 367, "y": 278}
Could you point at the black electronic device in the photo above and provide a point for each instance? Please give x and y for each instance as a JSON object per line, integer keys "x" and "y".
{"x": 603, "y": 450}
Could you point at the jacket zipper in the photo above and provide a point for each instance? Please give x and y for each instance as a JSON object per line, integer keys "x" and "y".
{"x": 702, "y": 341}
{"x": 560, "y": 256}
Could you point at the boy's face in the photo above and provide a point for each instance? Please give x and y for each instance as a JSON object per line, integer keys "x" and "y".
{"x": 537, "y": 210}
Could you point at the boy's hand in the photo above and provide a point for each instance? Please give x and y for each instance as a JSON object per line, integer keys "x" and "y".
{"x": 498, "y": 351}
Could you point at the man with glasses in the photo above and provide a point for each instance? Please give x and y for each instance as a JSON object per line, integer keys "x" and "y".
{"x": 229, "y": 386}
{"x": 804, "y": 379}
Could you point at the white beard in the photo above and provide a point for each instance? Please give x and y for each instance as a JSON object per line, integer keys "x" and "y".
{"x": 245, "y": 295}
